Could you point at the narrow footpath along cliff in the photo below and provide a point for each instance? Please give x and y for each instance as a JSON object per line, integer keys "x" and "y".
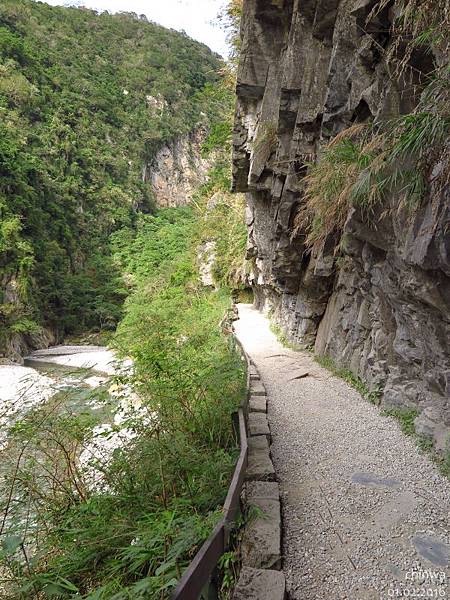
{"x": 365, "y": 514}
{"x": 341, "y": 143}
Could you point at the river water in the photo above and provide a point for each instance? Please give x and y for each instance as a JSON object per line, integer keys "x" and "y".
{"x": 67, "y": 381}
{"x": 48, "y": 373}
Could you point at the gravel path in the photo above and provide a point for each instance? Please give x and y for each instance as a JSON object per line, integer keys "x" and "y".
{"x": 365, "y": 515}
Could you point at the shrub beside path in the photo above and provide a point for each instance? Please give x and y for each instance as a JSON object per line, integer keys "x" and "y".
{"x": 365, "y": 514}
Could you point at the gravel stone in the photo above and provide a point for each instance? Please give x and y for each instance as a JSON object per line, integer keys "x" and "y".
{"x": 365, "y": 514}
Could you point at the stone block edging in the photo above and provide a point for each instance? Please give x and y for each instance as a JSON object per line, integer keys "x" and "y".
{"x": 261, "y": 577}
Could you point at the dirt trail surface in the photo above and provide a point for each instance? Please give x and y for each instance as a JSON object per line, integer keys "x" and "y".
{"x": 365, "y": 514}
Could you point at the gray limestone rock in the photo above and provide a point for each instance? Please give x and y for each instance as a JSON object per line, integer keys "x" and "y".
{"x": 178, "y": 169}
{"x": 308, "y": 70}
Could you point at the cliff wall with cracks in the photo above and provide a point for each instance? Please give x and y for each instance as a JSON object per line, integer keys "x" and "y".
{"x": 378, "y": 304}
{"x": 178, "y": 169}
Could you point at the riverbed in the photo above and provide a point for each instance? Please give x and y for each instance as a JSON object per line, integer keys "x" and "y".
{"x": 68, "y": 382}
{"x": 45, "y": 374}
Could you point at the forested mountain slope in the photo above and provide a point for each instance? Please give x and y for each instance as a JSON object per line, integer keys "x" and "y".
{"x": 86, "y": 101}
{"x": 123, "y": 482}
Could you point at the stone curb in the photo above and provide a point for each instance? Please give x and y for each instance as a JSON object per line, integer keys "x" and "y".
{"x": 257, "y": 388}
{"x": 260, "y": 466}
{"x": 260, "y": 584}
{"x": 257, "y": 404}
{"x": 260, "y": 577}
{"x": 258, "y": 424}
{"x": 261, "y": 540}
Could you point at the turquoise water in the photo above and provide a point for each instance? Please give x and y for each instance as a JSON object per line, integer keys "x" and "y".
{"x": 71, "y": 385}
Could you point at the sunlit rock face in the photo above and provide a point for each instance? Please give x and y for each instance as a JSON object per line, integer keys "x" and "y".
{"x": 206, "y": 257}
{"x": 177, "y": 170}
{"x": 309, "y": 70}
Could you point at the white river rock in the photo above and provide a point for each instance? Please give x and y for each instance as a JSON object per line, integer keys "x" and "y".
{"x": 21, "y": 389}
{"x": 97, "y": 358}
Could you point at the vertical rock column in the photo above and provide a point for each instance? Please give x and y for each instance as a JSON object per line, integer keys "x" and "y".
{"x": 308, "y": 71}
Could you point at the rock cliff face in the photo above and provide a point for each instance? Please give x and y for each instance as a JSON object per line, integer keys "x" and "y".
{"x": 17, "y": 345}
{"x": 177, "y": 170}
{"x": 308, "y": 70}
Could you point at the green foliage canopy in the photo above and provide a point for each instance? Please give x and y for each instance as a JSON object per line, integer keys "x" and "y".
{"x": 86, "y": 100}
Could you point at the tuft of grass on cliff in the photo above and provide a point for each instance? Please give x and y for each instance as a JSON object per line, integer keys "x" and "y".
{"x": 369, "y": 164}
